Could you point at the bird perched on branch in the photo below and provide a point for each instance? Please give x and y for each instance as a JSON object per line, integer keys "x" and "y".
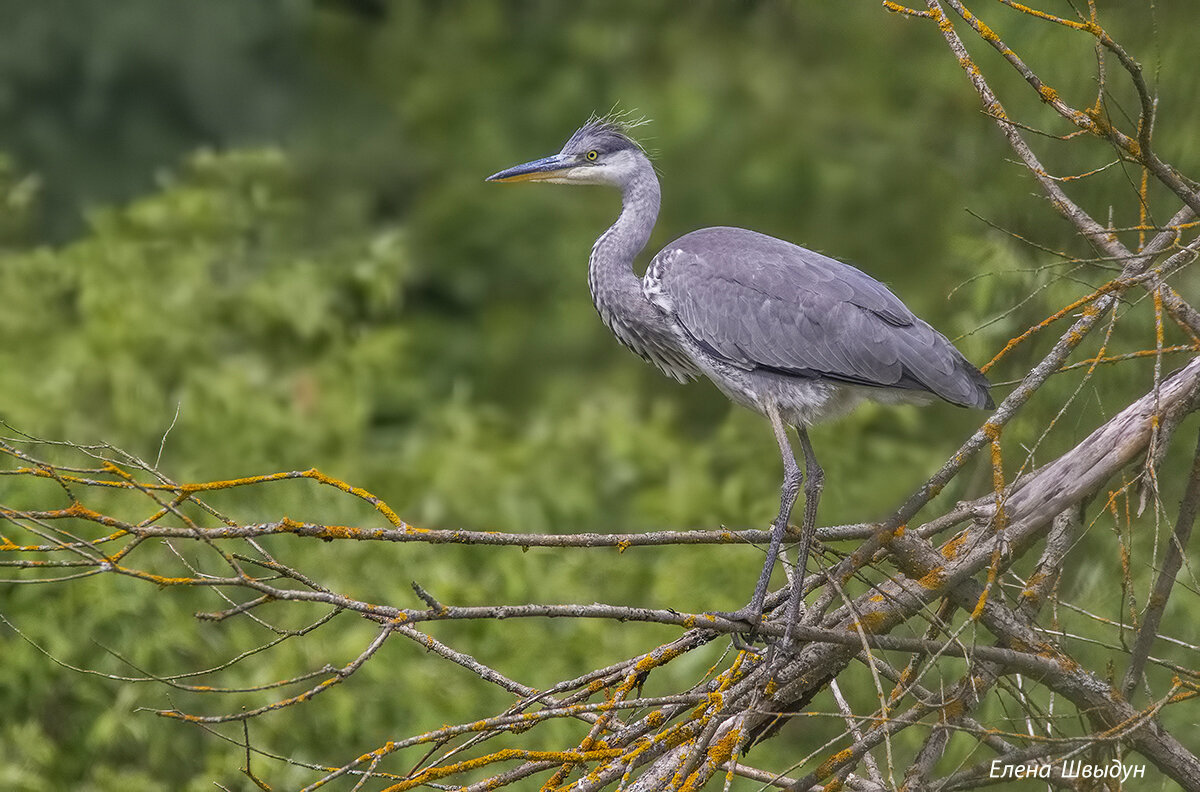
{"x": 796, "y": 336}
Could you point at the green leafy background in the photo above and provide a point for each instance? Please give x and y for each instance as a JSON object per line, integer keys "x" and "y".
{"x": 261, "y": 230}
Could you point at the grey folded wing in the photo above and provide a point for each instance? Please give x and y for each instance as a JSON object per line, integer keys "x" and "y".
{"x": 758, "y": 302}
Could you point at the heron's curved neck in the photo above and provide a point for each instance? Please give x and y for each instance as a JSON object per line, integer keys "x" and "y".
{"x": 610, "y": 268}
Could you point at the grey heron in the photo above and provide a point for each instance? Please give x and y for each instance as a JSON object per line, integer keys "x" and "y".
{"x": 794, "y": 335}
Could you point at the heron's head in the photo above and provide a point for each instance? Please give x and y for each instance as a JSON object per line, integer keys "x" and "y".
{"x": 600, "y": 152}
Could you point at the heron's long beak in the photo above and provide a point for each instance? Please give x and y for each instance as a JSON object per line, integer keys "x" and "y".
{"x": 538, "y": 170}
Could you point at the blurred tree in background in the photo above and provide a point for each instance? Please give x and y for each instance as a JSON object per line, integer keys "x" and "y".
{"x": 243, "y": 237}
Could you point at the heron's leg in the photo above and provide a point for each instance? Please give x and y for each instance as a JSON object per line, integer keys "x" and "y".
{"x": 813, "y": 484}
{"x": 792, "y": 478}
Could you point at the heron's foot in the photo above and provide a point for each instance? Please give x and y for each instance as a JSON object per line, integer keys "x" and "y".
{"x": 749, "y": 616}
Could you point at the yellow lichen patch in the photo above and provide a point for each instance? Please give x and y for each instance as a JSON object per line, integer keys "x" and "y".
{"x": 331, "y": 532}
{"x": 897, "y": 533}
{"x": 933, "y": 579}
{"x": 943, "y": 21}
{"x": 1035, "y": 580}
{"x": 1093, "y": 120}
{"x": 872, "y": 621}
{"x": 434, "y": 773}
{"x": 656, "y": 718}
{"x": 952, "y": 548}
{"x": 1181, "y": 696}
{"x": 724, "y": 748}
{"x": 981, "y": 603}
{"x": 896, "y": 8}
{"x": 833, "y": 763}
{"x": 1064, "y": 662}
{"x": 989, "y": 35}
{"x": 357, "y": 492}
{"x": 654, "y": 660}
{"x": 623, "y": 545}
{"x": 157, "y": 579}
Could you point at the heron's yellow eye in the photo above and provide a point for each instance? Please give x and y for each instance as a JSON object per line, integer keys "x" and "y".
{"x": 591, "y": 155}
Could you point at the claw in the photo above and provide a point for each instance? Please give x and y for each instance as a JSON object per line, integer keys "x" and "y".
{"x": 752, "y": 618}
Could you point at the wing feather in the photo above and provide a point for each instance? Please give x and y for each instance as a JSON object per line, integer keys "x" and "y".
{"x": 759, "y": 302}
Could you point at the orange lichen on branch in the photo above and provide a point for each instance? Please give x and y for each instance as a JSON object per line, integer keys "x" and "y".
{"x": 830, "y": 765}
{"x": 903, "y": 10}
{"x": 1048, "y": 94}
{"x": 358, "y": 492}
{"x": 998, "y": 485}
{"x": 1049, "y": 320}
{"x": 183, "y": 492}
{"x": 1158, "y": 319}
{"x": 953, "y": 547}
{"x": 1144, "y": 207}
{"x": 718, "y": 753}
{"x": 658, "y": 657}
{"x": 7, "y": 544}
{"x": 1177, "y": 698}
{"x": 1029, "y": 593}
{"x": 163, "y": 580}
{"x": 68, "y": 478}
{"x": 947, "y": 27}
{"x": 953, "y": 709}
{"x": 1141, "y": 353}
{"x": 634, "y": 679}
{"x": 933, "y": 579}
{"x": 76, "y": 511}
{"x": 1024, "y": 9}
{"x": 871, "y": 621}
{"x": 327, "y": 532}
{"x": 985, "y": 32}
{"x": 312, "y": 473}
{"x": 981, "y": 603}
{"x": 999, "y": 523}
{"x": 245, "y": 481}
{"x": 431, "y": 774}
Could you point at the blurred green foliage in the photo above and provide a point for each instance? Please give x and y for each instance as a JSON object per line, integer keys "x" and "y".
{"x": 239, "y": 238}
